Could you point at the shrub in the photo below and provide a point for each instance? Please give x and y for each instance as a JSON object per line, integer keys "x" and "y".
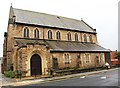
{"x": 10, "y": 74}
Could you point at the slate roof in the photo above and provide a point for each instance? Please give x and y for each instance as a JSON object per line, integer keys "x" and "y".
{"x": 63, "y": 46}
{"x": 42, "y": 19}
{"x": 71, "y": 46}
{"x": 23, "y": 42}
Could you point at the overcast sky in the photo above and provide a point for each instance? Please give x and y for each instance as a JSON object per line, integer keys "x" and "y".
{"x": 102, "y": 15}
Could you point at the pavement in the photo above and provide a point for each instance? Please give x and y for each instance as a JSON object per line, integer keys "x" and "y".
{"x": 28, "y": 81}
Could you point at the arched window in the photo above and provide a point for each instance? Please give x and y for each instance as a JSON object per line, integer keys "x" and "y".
{"x": 26, "y": 32}
{"x": 76, "y": 37}
{"x": 69, "y": 36}
{"x": 67, "y": 58}
{"x": 57, "y": 35}
{"x": 90, "y": 37}
{"x": 36, "y": 33}
{"x": 49, "y": 34}
{"x": 85, "y": 38}
{"x": 87, "y": 56}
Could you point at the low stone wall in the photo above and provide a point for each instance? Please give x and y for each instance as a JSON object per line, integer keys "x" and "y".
{"x": 75, "y": 70}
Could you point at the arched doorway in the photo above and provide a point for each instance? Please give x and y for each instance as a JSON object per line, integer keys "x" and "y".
{"x": 36, "y": 65}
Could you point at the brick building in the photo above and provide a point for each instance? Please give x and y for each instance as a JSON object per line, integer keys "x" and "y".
{"x": 114, "y": 59}
{"x": 35, "y": 42}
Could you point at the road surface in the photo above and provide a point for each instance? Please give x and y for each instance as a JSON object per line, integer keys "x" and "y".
{"x": 109, "y": 78}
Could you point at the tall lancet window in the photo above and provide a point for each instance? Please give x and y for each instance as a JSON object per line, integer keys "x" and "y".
{"x": 49, "y": 34}
{"x": 69, "y": 36}
{"x": 57, "y": 35}
{"x": 85, "y": 38}
{"x": 76, "y": 37}
{"x": 90, "y": 37}
{"x": 26, "y": 32}
{"x": 36, "y": 33}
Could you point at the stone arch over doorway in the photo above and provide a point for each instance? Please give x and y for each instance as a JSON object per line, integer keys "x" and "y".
{"x": 36, "y": 65}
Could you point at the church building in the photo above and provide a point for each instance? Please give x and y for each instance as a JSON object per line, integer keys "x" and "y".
{"x": 35, "y": 42}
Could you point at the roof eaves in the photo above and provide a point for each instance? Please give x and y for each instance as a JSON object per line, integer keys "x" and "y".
{"x": 52, "y": 50}
{"x": 64, "y": 28}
